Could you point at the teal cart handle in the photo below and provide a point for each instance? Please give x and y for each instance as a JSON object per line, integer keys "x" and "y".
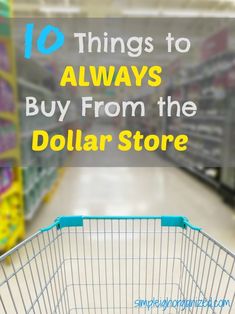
{"x": 77, "y": 221}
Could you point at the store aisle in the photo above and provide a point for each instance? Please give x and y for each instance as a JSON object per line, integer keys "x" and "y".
{"x": 139, "y": 191}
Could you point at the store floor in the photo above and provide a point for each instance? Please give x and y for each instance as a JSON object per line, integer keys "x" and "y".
{"x": 139, "y": 191}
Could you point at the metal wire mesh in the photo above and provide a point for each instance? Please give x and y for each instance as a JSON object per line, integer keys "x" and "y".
{"x": 108, "y": 264}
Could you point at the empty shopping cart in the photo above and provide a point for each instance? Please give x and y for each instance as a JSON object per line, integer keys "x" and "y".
{"x": 118, "y": 265}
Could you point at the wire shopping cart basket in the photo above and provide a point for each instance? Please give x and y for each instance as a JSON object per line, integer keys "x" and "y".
{"x": 106, "y": 264}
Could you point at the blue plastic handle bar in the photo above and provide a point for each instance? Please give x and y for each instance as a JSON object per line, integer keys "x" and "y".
{"x": 77, "y": 221}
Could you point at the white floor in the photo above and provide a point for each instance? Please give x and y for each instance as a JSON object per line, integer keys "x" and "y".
{"x": 139, "y": 191}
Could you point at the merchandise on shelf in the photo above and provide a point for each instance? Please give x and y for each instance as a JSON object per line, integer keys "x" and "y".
{"x": 38, "y": 181}
{"x": 11, "y": 198}
{"x": 11, "y": 227}
{"x": 37, "y": 184}
{"x": 210, "y": 84}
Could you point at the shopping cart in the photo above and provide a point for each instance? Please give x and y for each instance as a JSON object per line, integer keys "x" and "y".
{"x": 118, "y": 265}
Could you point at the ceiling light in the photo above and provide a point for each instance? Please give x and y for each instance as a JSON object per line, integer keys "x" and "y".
{"x": 176, "y": 13}
{"x": 61, "y": 9}
{"x": 141, "y": 12}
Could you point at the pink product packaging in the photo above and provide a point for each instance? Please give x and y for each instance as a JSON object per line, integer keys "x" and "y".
{"x": 6, "y": 179}
{"x": 4, "y": 58}
{"x": 6, "y": 96}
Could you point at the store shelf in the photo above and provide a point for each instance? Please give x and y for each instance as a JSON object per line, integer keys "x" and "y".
{"x": 6, "y": 76}
{"x": 208, "y": 84}
{"x": 201, "y": 155}
{"x": 198, "y": 173}
{"x": 11, "y": 205}
{"x": 38, "y": 179}
{"x": 205, "y": 137}
{"x": 37, "y": 205}
{"x": 204, "y": 177}
{"x": 52, "y": 127}
{"x": 9, "y": 116}
{"x": 198, "y": 135}
{"x": 212, "y": 72}
{"x": 207, "y": 118}
{"x": 10, "y": 154}
{"x": 33, "y": 211}
{"x": 10, "y": 191}
{"x": 33, "y": 86}
{"x": 30, "y": 68}
{"x": 38, "y": 183}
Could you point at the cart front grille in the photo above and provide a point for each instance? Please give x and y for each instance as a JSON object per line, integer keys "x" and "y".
{"x": 118, "y": 266}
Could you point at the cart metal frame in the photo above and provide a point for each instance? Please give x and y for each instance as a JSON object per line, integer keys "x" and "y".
{"x": 118, "y": 264}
